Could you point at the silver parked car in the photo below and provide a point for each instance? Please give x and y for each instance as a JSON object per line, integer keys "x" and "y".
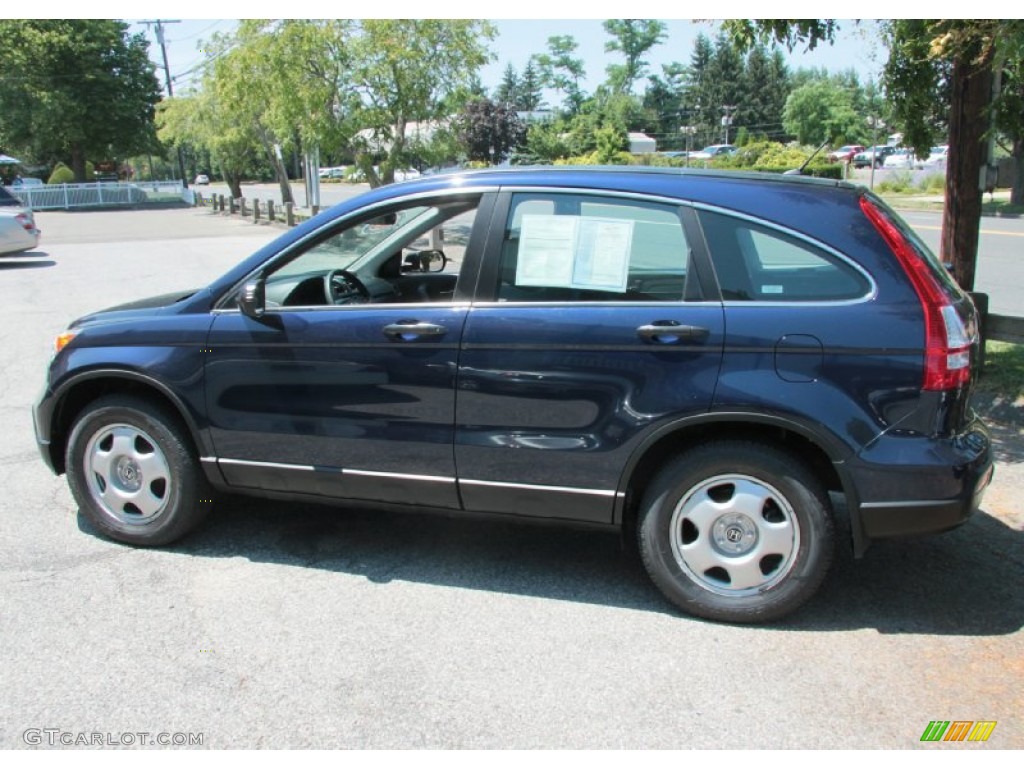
{"x": 18, "y": 230}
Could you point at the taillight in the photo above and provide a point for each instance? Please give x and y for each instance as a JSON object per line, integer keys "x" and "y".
{"x": 25, "y": 222}
{"x": 947, "y": 342}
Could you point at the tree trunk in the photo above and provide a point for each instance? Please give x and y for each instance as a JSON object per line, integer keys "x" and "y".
{"x": 78, "y": 163}
{"x": 282, "y": 178}
{"x": 234, "y": 182}
{"x": 364, "y": 161}
{"x": 968, "y": 124}
{"x": 1017, "y": 191}
{"x": 280, "y": 172}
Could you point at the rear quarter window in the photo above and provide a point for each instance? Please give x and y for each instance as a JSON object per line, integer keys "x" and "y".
{"x": 754, "y": 262}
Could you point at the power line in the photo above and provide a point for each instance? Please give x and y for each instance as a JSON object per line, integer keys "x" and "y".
{"x": 203, "y": 31}
{"x": 159, "y": 25}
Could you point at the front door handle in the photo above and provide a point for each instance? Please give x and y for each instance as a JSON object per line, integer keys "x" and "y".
{"x": 411, "y": 330}
{"x": 671, "y": 332}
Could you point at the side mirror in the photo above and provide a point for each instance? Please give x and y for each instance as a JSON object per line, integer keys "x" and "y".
{"x": 252, "y": 299}
{"x": 428, "y": 261}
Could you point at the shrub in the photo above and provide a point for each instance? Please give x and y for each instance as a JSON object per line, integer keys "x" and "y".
{"x": 897, "y": 182}
{"x": 64, "y": 175}
{"x": 61, "y": 175}
{"x": 933, "y": 183}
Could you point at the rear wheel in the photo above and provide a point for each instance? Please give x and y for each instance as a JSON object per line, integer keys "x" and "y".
{"x": 736, "y": 531}
{"x": 132, "y": 472}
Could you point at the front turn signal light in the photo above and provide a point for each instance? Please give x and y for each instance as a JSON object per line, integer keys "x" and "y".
{"x": 62, "y": 339}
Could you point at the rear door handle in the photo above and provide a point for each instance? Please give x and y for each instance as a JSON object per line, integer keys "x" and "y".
{"x": 411, "y": 330}
{"x": 671, "y": 332}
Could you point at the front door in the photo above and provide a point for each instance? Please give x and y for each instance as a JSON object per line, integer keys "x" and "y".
{"x": 345, "y": 387}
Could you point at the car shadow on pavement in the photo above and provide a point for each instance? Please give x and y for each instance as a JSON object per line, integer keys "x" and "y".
{"x": 964, "y": 582}
{"x": 25, "y": 260}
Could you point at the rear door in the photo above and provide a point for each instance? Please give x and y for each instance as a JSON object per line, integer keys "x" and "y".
{"x": 589, "y": 331}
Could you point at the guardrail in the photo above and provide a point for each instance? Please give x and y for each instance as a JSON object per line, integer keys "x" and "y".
{"x": 1004, "y": 328}
{"x": 68, "y": 196}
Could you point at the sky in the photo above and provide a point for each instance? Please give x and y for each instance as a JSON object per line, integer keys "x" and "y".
{"x": 856, "y": 47}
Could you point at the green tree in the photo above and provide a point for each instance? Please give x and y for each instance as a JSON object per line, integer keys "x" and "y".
{"x": 530, "y": 86}
{"x": 74, "y": 89}
{"x": 698, "y": 110}
{"x": 547, "y": 141}
{"x": 924, "y": 56}
{"x": 725, "y": 83}
{"x": 633, "y": 38}
{"x": 245, "y": 76}
{"x": 918, "y": 49}
{"x": 507, "y": 91}
{"x": 1010, "y": 121}
{"x": 663, "y": 101}
{"x": 199, "y": 121}
{"x": 763, "y": 91}
{"x": 561, "y": 71}
{"x": 406, "y": 70}
{"x": 822, "y": 111}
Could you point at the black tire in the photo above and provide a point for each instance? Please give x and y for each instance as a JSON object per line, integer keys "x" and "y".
{"x": 132, "y": 472}
{"x": 736, "y": 531}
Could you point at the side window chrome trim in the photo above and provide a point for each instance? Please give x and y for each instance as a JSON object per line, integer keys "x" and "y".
{"x": 872, "y": 285}
{"x": 347, "y": 307}
{"x": 338, "y": 224}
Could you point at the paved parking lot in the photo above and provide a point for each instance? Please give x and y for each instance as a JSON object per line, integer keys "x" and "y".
{"x": 281, "y": 625}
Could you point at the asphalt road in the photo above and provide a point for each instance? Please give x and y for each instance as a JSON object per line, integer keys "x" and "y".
{"x": 281, "y": 625}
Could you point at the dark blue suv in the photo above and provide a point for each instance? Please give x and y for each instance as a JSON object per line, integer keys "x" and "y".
{"x": 696, "y": 358}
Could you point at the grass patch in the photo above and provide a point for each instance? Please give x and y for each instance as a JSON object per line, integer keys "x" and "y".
{"x": 1001, "y": 208}
{"x": 1003, "y": 373}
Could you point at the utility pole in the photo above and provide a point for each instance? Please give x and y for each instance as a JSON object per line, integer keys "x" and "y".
{"x": 159, "y": 25}
{"x": 726, "y": 122}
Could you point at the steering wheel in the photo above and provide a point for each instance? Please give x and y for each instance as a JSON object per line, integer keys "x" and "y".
{"x": 343, "y": 287}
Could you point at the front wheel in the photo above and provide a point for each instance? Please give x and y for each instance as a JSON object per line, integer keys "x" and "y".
{"x": 133, "y": 474}
{"x": 736, "y": 531}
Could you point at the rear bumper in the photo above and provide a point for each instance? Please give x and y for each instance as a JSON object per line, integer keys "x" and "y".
{"x": 908, "y": 486}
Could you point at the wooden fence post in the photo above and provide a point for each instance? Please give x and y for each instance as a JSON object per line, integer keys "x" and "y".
{"x": 289, "y": 214}
{"x": 231, "y": 205}
{"x": 256, "y": 211}
{"x": 270, "y": 210}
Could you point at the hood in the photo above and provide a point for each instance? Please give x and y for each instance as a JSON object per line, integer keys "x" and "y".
{"x": 164, "y": 303}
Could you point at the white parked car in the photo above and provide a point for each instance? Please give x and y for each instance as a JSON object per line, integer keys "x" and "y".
{"x": 18, "y": 230}
{"x": 902, "y": 159}
{"x": 715, "y": 150}
{"x": 202, "y": 179}
{"x": 937, "y": 157}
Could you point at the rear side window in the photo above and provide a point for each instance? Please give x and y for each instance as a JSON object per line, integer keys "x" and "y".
{"x": 565, "y": 247}
{"x": 757, "y": 263}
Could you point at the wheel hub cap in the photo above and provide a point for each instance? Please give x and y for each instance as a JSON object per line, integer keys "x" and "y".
{"x": 128, "y": 473}
{"x": 734, "y": 534}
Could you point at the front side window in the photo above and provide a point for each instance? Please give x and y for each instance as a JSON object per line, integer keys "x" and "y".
{"x": 408, "y": 254}
{"x": 564, "y": 247}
